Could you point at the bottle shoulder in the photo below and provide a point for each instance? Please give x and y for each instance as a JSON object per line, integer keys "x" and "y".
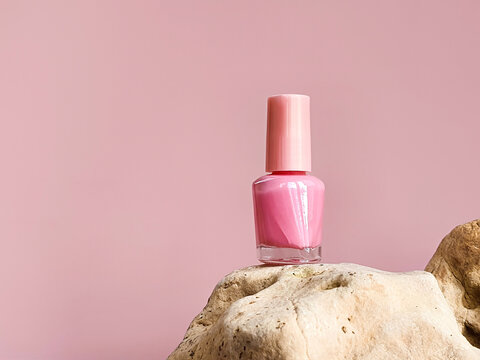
{"x": 273, "y": 179}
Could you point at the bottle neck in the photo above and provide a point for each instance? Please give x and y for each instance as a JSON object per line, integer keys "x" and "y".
{"x": 289, "y": 172}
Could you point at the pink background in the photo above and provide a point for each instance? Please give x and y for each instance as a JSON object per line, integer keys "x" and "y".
{"x": 130, "y": 134}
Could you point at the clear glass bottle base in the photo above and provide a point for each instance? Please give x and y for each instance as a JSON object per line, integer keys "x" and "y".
{"x": 284, "y": 256}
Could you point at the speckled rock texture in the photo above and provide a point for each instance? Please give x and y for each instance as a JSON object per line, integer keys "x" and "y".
{"x": 456, "y": 265}
{"x": 330, "y": 312}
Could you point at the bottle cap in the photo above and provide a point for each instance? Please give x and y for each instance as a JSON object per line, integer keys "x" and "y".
{"x": 288, "y": 133}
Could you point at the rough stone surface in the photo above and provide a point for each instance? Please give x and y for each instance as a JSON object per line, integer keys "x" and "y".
{"x": 332, "y": 312}
{"x": 456, "y": 265}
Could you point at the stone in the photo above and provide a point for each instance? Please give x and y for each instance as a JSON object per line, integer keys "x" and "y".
{"x": 325, "y": 311}
{"x": 456, "y": 265}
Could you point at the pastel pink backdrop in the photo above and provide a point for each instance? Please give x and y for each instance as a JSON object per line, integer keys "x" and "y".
{"x": 131, "y": 132}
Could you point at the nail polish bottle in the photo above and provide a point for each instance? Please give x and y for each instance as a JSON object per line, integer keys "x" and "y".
{"x": 288, "y": 202}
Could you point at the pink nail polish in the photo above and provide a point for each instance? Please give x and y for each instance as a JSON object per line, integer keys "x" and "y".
{"x": 288, "y": 202}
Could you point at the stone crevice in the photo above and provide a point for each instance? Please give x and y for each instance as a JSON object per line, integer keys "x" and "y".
{"x": 295, "y": 310}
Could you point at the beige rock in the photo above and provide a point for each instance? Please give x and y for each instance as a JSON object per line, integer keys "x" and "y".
{"x": 456, "y": 265}
{"x": 329, "y": 312}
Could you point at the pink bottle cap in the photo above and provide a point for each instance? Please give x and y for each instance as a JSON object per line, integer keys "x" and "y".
{"x": 288, "y": 133}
